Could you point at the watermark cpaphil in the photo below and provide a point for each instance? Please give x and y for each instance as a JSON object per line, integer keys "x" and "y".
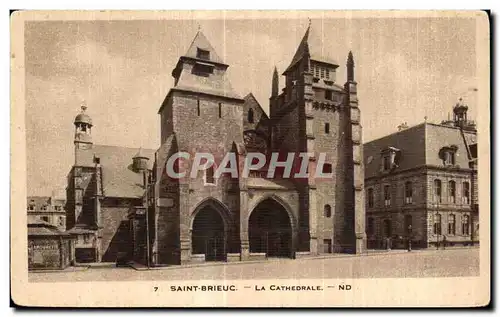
{"x": 272, "y": 166}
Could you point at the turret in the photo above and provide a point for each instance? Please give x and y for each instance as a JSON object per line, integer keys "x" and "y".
{"x": 83, "y": 129}
{"x": 140, "y": 161}
{"x": 460, "y": 113}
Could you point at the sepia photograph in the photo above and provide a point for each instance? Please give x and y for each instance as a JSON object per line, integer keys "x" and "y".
{"x": 250, "y": 158}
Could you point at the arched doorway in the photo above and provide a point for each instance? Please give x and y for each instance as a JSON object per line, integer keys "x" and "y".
{"x": 208, "y": 235}
{"x": 270, "y": 230}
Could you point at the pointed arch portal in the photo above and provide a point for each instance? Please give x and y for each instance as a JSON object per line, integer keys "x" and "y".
{"x": 270, "y": 230}
{"x": 209, "y": 234}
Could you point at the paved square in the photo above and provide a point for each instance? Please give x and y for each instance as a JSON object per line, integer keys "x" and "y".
{"x": 428, "y": 263}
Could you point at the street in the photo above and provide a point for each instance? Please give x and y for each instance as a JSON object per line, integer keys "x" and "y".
{"x": 426, "y": 263}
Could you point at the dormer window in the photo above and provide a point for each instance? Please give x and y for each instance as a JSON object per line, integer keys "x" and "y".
{"x": 448, "y": 155}
{"x": 449, "y": 158}
{"x": 390, "y": 158}
{"x": 202, "y": 54}
{"x": 31, "y": 207}
{"x": 44, "y": 207}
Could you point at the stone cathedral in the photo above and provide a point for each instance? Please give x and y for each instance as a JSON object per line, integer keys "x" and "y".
{"x": 122, "y": 203}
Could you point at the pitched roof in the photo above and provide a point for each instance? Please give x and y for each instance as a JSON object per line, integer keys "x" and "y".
{"x": 251, "y": 100}
{"x": 316, "y": 56}
{"x": 199, "y": 84}
{"x": 50, "y": 204}
{"x": 38, "y": 222}
{"x": 201, "y": 42}
{"x": 438, "y": 136}
{"x": 302, "y": 50}
{"x": 419, "y": 145}
{"x": 39, "y": 201}
{"x": 42, "y": 228}
{"x": 118, "y": 177}
{"x": 306, "y": 49}
{"x": 79, "y": 230}
{"x": 141, "y": 154}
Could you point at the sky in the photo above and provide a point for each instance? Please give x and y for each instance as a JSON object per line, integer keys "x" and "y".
{"x": 406, "y": 69}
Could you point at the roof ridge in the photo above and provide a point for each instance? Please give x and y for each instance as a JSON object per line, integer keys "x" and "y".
{"x": 201, "y": 39}
{"x": 251, "y": 95}
{"x": 396, "y": 132}
{"x": 124, "y": 147}
{"x": 302, "y": 49}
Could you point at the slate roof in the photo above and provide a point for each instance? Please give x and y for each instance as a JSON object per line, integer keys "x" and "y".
{"x": 302, "y": 50}
{"x": 83, "y": 117}
{"x": 118, "y": 177}
{"x": 251, "y": 100}
{"x": 79, "y": 230}
{"x": 200, "y": 41}
{"x": 219, "y": 86}
{"x": 41, "y": 228}
{"x": 50, "y": 202}
{"x": 39, "y": 201}
{"x": 199, "y": 84}
{"x": 305, "y": 48}
{"x": 419, "y": 145}
{"x": 323, "y": 59}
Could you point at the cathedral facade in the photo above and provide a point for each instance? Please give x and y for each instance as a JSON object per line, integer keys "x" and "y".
{"x": 149, "y": 217}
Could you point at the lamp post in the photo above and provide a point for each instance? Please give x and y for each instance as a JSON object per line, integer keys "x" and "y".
{"x": 146, "y": 213}
{"x": 437, "y": 217}
{"x": 437, "y": 233}
{"x": 409, "y": 238}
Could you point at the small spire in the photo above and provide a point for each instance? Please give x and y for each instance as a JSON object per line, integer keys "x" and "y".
{"x": 302, "y": 50}
{"x": 199, "y": 27}
{"x": 350, "y": 67}
{"x": 310, "y": 21}
{"x": 140, "y": 153}
{"x": 84, "y": 106}
{"x": 350, "y": 59}
{"x": 275, "y": 83}
{"x": 425, "y": 118}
